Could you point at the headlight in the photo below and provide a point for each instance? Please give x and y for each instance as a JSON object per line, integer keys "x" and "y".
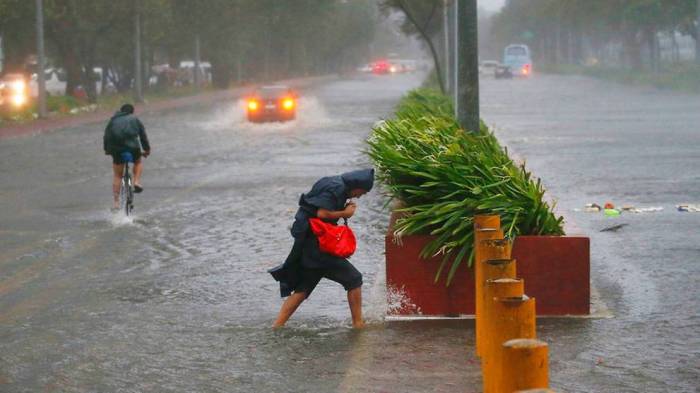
{"x": 252, "y": 105}
{"x": 18, "y": 99}
{"x": 288, "y": 103}
{"x": 17, "y": 86}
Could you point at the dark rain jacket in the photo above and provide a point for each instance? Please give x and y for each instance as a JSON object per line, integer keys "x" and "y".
{"x": 330, "y": 193}
{"x": 125, "y": 132}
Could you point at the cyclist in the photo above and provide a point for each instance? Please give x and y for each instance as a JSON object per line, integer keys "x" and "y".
{"x": 125, "y": 133}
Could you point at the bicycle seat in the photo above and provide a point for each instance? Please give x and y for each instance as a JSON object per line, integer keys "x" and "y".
{"x": 127, "y": 157}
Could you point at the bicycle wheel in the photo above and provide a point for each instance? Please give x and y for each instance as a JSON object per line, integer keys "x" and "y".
{"x": 123, "y": 191}
{"x": 129, "y": 193}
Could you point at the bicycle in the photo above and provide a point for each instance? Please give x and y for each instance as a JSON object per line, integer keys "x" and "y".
{"x": 126, "y": 191}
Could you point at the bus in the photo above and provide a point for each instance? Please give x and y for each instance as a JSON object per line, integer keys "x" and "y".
{"x": 517, "y": 58}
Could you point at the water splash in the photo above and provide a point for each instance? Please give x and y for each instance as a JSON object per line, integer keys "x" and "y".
{"x": 398, "y": 302}
{"x": 310, "y": 112}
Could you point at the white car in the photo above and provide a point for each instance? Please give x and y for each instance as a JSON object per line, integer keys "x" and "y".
{"x": 488, "y": 67}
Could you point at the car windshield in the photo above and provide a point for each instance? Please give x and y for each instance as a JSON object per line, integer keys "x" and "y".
{"x": 516, "y": 51}
{"x": 273, "y": 91}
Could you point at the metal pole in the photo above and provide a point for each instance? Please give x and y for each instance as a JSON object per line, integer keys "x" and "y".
{"x": 446, "y": 33}
{"x": 197, "y": 81}
{"x": 41, "y": 77}
{"x": 138, "y": 92}
{"x": 455, "y": 54}
{"x": 697, "y": 35}
{"x": 468, "y": 82}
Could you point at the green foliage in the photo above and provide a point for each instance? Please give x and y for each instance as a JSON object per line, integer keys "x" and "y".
{"x": 243, "y": 39}
{"x": 444, "y": 176}
{"x": 553, "y": 27}
{"x": 425, "y": 101}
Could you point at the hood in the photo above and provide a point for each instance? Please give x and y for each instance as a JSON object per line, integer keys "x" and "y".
{"x": 363, "y": 178}
{"x": 120, "y": 114}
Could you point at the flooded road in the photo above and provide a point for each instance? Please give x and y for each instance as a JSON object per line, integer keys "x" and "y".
{"x": 596, "y": 142}
{"x": 177, "y": 299}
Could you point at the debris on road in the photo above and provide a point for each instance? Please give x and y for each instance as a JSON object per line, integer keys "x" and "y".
{"x": 614, "y": 228}
{"x": 593, "y": 207}
{"x": 610, "y": 210}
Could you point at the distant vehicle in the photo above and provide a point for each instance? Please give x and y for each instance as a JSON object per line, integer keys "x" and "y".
{"x": 271, "y": 103}
{"x": 14, "y": 92}
{"x": 366, "y": 68}
{"x": 502, "y": 72}
{"x": 381, "y": 67}
{"x": 488, "y": 67}
{"x": 518, "y": 58}
{"x": 55, "y": 80}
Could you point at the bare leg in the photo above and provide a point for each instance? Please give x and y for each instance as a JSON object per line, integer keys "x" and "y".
{"x": 355, "y": 302}
{"x": 118, "y": 171}
{"x": 288, "y": 307}
{"x": 138, "y": 169}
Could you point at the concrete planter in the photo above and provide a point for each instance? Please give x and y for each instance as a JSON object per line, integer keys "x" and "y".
{"x": 556, "y": 270}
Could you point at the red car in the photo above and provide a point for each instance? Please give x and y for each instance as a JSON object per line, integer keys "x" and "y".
{"x": 380, "y": 67}
{"x": 272, "y": 103}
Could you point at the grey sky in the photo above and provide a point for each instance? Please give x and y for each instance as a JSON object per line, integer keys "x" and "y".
{"x": 491, "y": 5}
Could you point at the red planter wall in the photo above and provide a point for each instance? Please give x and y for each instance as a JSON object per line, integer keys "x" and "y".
{"x": 556, "y": 270}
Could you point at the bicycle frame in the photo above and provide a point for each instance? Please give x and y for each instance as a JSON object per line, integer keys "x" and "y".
{"x": 126, "y": 194}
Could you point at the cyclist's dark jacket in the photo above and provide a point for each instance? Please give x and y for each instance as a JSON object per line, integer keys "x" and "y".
{"x": 330, "y": 193}
{"x": 123, "y": 133}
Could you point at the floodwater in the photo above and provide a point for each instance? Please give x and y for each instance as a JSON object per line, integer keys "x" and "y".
{"x": 176, "y": 299}
{"x": 596, "y": 142}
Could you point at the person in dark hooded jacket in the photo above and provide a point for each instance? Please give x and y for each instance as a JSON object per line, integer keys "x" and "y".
{"x": 306, "y": 264}
{"x": 125, "y": 133}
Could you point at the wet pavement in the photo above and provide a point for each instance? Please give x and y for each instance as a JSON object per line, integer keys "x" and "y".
{"x": 596, "y": 142}
{"x": 177, "y": 298}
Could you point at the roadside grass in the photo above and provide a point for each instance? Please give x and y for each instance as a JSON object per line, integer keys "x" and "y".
{"x": 69, "y": 105}
{"x": 681, "y": 77}
{"x": 444, "y": 176}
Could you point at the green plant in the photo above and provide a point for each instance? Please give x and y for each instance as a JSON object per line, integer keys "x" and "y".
{"x": 444, "y": 176}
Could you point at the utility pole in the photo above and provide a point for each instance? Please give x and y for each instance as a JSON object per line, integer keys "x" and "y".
{"x": 41, "y": 77}
{"x": 138, "y": 92}
{"x": 197, "y": 81}
{"x": 446, "y": 51}
{"x": 697, "y": 34}
{"x": 455, "y": 53}
{"x": 468, "y": 54}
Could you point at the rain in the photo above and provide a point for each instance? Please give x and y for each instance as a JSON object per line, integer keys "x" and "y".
{"x": 246, "y": 104}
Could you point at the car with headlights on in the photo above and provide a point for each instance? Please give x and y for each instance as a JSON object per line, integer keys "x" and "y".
{"x": 271, "y": 103}
{"x": 14, "y": 92}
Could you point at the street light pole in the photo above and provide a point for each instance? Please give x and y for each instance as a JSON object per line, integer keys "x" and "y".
{"x": 41, "y": 77}
{"x": 697, "y": 34}
{"x": 197, "y": 60}
{"x": 138, "y": 92}
{"x": 455, "y": 53}
{"x": 446, "y": 51}
{"x": 468, "y": 80}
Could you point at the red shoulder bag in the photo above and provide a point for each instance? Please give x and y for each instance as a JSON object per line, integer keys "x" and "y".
{"x": 337, "y": 240}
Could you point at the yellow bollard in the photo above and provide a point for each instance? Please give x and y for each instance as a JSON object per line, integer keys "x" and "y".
{"x": 488, "y": 269}
{"x": 525, "y": 365}
{"x": 495, "y": 288}
{"x": 512, "y": 317}
{"x": 479, "y": 250}
{"x": 487, "y": 221}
